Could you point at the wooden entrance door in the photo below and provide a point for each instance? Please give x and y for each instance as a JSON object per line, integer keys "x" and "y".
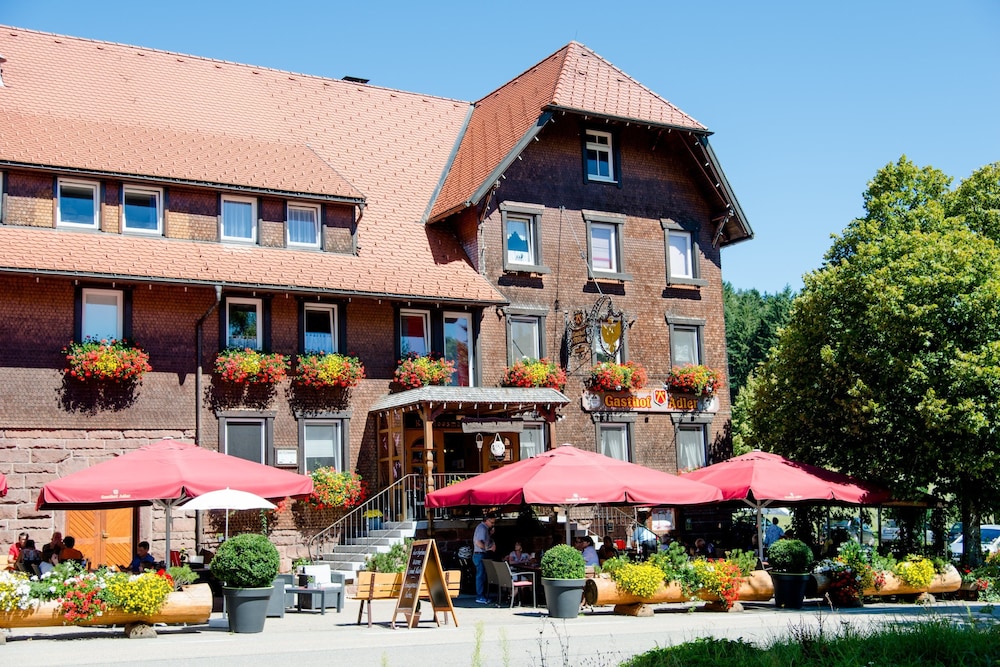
{"x": 104, "y": 536}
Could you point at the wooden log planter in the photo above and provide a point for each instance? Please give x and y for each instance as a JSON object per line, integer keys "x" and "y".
{"x": 602, "y": 591}
{"x": 948, "y": 581}
{"x": 192, "y": 604}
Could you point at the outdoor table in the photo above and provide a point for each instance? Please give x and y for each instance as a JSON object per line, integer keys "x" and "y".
{"x": 312, "y": 592}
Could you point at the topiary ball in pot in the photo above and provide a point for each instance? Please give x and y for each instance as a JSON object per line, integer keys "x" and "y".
{"x": 246, "y": 561}
{"x": 563, "y": 562}
{"x": 790, "y": 556}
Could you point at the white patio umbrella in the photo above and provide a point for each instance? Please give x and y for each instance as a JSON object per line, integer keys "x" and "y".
{"x": 227, "y": 499}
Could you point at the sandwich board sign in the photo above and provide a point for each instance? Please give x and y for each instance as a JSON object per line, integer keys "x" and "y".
{"x": 423, "y": 565}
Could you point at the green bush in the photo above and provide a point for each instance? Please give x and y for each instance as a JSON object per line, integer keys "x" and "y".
{"x": 563, "y": 562}
{"x": 182, "y": 575}
{"x": 246, "y": 561}
{"x": 790, "y": 556}
{"x": 393, "y": 560}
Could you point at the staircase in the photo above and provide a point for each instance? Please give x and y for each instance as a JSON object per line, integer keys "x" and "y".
{"x": 385, "y": 519}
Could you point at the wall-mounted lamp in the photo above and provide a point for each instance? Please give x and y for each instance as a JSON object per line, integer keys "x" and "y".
{"x": 479, "y": 442}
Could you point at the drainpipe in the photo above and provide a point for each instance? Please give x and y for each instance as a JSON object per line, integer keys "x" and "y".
{"x": 197, "y": 396}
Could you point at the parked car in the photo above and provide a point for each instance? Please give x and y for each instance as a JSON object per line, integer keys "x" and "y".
{"x": 954, "y": 531}
{"x": 850, "y": 526}
{"x": 989, "y": 536}
{"x": 890, "y": 532}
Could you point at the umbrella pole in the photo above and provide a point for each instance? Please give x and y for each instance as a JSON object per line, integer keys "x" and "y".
{"x": 169, "y": 506}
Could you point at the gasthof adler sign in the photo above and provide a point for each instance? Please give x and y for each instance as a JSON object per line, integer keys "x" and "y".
{"x": 647, "y": 400}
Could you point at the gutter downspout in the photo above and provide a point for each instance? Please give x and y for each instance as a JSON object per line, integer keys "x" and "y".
{"x": 197, "y": 396}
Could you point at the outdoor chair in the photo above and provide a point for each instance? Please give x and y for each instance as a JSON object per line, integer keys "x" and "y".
{"x": 492, "y": 578}
{"x": 515, "y": 581}
{"x": 332, "y": 582}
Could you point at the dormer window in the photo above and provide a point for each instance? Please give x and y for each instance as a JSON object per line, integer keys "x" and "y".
{"x": 303, "y": 225}
{"x": 239, "y": 219}
{"x": 78, "y": 204}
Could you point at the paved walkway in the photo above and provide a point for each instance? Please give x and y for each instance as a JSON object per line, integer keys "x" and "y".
{"x": 501, "y": 637}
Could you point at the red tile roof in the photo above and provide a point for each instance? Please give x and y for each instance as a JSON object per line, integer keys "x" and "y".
{"x": 573, "y": 78}
{"x": 97, "y": 106}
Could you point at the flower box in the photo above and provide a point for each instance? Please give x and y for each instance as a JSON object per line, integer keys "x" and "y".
{"x": 698, "y": 380}
{"x": 534, "y": 373}
{"x": 611, "y": 376}
{"x": 192, "y": 604}
{"x": 333, "y": 489}
{"x": 415, "y": 371}
{"x": 248, "y": 366}
{"x": 329, "y": 370}
{"x": 114, "y": 360}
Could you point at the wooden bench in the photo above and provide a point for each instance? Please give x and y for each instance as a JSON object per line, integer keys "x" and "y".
{"x": 387, "y": 585}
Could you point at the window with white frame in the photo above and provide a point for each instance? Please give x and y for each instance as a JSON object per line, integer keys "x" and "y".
{"x": 600, "y": 160}
{"x": 458, "y": 347}
{"x": 243, "y": 323}
{"x": 323, "y": 444}
{"x": 691, "y": 449}
{"x": 414, "y": 332}
{"x": 681, "y": 259}
{"x": 303, "y": 225}
{"x": 685, "y": 344}
{"x": 142, "y": 210}
{"x": 520, "y": 235}
{"x": 522, "y": 239}
{"x": 532, "y": 440}
{"x": 614, "y": 441}
{"x": 320, "y": 322}
{"x": 79, "y": 204}
{"x": 245, "y": 439}
{"x": 605, "y": 244}
{"x": 239, "y": 219}
{"x": 101, "y": 314}
{"x": 524, "y": 337}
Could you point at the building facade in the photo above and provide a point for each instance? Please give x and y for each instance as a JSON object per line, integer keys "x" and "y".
{"x": 571, "y": 214}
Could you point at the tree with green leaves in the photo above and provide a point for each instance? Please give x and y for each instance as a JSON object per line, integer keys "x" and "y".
{"x": 752, "y": 323}
{"x": 889, "y": 366}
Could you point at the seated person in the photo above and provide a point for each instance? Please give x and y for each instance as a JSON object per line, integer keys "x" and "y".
{"x": 518, "y": 556}
{"x": 703, "y": 548}
{"x": 70, "y": 552}
{"x": 53, "y": 548}
{"x": 607, "y": 550}
{"x": 28, "y": 557}
{"x": 586, "y": 546}
{"x": 143, "y": 559}
{"x": 14, "y": 553}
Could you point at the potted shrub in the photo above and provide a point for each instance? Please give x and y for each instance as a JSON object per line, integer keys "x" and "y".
{"x": 329, "y": 370}
{"x": 246, "y": 565}
{"x": 113, "y": 360}
{"x": 612, "y": 376}
{"x": 534, "y": 373}
{"x": 247, "y": 366}
{"x": 415, "y": 371}
{"x": 374, "y": 517}
{"x": 791, "y": 563}
{"x": 563, "y": 577}
{"x": 695, "y": 379}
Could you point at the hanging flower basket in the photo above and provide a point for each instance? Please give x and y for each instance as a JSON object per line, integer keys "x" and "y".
{"x": 698, "y": 380}
{"x": 336, "y": 490}
{"x": 329, "y": 370}
{"x": 415, "y": 371}
{"x": 534, "y": 373}
{"x": 247, "y": 366}
{"x": 114, "y": 360}
{"x": 612, "y": 376}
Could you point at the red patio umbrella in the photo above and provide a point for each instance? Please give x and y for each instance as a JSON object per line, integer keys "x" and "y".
{"x": 3, "y": 485}
{"x": 167, "y": 473}
{"x": 570, "y": 476}
{"x": 760, "y": 479}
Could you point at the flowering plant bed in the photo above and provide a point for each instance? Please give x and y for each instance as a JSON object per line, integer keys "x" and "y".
{"x": 68, "y": 595}
{"x": 245, "y": 365}
{"x": 115, "y": 360}
{"x": 698, "y": 380}
{"x": 332, "y": 489}
{"x": 612, "y": 376}
{"x": 415, "y": 371}
{"x": 329, "y": 370}
{"x": 534, "y": 373}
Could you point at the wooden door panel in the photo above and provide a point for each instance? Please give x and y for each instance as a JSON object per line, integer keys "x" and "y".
{"x": 117, "y": 536}
{"x": 104, "y": 536}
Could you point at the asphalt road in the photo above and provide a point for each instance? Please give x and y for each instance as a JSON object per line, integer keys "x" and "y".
{"x": 498, "y": 636}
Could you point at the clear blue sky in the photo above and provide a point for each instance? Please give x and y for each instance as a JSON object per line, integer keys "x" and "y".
{"x": 807, "y": 99}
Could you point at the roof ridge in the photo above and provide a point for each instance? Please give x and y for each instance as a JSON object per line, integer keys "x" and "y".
{"x": 630, "y": 78}
{"x": 209, "y": 59}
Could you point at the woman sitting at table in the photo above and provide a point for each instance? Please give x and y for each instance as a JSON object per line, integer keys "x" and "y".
{"x": 607, "y": 550}
{"x": 518, "y": 556}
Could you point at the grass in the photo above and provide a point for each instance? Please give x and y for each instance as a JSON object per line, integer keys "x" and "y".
{"x": 924, "y": 644}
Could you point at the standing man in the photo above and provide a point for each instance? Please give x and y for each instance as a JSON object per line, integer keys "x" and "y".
{"x": 482, "y": 544}
{"x": 772, "y": 532}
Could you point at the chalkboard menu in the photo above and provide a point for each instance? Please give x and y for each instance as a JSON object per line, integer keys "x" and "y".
{"x": 423, "y": 565}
